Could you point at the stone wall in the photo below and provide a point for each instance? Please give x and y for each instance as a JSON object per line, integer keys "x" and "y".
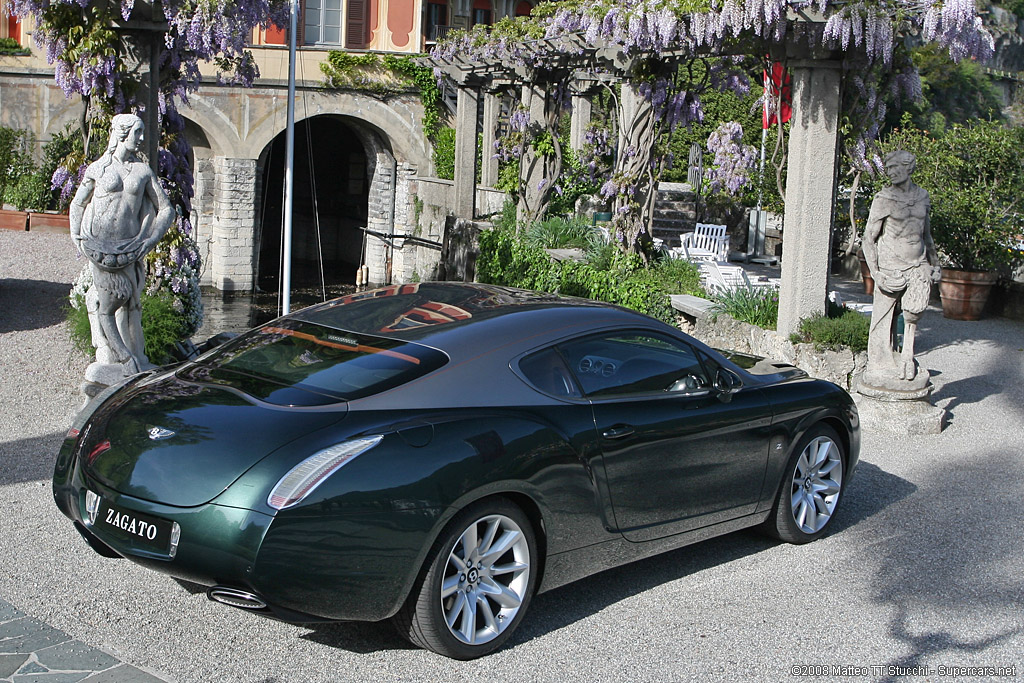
{"x": 838, "y": 367}
{"x": 432, "y": 219}
{"x": 233, "y": 245}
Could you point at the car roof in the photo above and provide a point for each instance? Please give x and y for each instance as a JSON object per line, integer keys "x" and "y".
{"x": 462, "y": 318}
{"x": 480, "y": 327}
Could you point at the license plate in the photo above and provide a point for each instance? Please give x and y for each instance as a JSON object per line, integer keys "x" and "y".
{"x": 141, "y": 531}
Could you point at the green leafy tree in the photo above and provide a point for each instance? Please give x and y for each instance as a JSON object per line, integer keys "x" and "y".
{"x": 974, "y": 175}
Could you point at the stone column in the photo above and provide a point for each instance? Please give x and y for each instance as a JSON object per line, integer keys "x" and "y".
{"x": 580, "y": 121}
{"x": 144, "y": 33}
{"x": 379, "y": 218}
{"x": 810, "y": 191}
{"x": 628, "y": 102}
{"x": 465, "y": 152}
{"x": 203, "y": 214}
{"x": 233, "y": 247}
{"x": 489, "y": 165}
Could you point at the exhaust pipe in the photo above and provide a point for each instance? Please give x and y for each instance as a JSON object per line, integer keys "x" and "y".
{"x": 236, "y": 598}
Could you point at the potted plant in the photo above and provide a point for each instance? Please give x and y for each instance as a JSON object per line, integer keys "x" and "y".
{"x": 974, "y": 175}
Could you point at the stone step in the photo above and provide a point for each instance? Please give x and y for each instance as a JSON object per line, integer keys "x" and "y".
{"x": 675, "y": 215}
{"x": 678, "y": 224}
{"x": 675, "y": 208}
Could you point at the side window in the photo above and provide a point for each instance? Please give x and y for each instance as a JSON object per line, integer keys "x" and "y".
{"x": 546, "y": 371}
{"x": 634, "y": 363}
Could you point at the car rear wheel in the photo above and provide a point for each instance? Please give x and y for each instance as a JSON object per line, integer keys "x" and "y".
{"x": 478, "y": 583}
{"x": 811, "y": 488}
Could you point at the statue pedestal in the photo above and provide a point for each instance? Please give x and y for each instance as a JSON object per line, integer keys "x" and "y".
{"x": 901, "y": 408}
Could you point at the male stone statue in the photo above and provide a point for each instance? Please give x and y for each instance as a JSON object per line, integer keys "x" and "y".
{"x": 117, "y": 216}
{"x": 903, "y": 261}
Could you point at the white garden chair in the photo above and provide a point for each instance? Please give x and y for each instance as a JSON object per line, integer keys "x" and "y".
{"x": 721, "y": 277}
{"x": 708, "y": 242}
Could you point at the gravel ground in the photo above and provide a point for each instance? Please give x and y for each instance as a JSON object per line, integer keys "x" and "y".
{"x": 924, "y": 567}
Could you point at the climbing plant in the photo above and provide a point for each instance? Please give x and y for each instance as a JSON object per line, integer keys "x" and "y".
{"x": 93, "y": 58}
{"x": 658, "y": 48}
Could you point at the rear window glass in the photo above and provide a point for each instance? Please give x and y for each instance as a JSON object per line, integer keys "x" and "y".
{"x": 321, "y": 359}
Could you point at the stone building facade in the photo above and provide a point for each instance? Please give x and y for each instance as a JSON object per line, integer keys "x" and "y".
{"x": 358, "y": 156}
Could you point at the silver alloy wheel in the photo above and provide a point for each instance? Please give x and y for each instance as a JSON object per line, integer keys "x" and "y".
{"x": 485, "y": 579}
{"x": 817, "y": 481}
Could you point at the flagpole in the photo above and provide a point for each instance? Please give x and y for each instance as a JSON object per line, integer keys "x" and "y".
{"x": 289, "y": 163}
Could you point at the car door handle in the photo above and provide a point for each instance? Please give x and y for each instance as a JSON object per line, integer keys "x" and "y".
{"x": 618, "y": 431}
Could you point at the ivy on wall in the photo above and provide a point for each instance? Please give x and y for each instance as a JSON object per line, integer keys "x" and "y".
{"x": 383, "y": 75}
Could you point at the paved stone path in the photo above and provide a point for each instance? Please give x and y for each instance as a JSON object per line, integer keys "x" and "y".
{"x": 34, "y": 652}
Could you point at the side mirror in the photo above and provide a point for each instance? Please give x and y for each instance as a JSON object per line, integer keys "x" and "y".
{"x": 727, "y": 383}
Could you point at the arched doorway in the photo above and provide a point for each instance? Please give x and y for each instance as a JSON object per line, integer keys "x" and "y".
{"x": 331, "y": 190}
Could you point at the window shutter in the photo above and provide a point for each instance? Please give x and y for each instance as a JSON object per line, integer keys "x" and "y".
{"x": 358, "y": 24}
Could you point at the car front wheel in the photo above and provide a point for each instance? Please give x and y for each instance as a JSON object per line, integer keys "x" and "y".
{"x": 478, "y": 584}
{"x": 811, "y": 488}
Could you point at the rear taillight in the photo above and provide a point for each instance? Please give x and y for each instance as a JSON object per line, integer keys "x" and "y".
{"x": 303, "y": 479}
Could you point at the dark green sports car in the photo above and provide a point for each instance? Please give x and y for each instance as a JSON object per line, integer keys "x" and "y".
{"x": 436, "y": 453}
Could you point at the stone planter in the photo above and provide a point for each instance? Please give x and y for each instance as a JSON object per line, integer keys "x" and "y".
{"x": 839, "y": 367}
{"x": 13, "y": 220}
{"x": 964, "y": 293}
{"x": 49, "y": 222}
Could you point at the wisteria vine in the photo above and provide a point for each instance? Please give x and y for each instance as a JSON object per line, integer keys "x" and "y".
{"x": 80, "y": 39}
{"x": 655, "y": 39}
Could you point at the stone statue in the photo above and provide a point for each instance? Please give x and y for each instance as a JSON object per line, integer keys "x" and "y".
{"x": 117, "y": 216}
{"x": 903, "y": 261}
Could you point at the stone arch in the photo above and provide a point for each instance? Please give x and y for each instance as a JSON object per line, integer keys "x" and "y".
{"x": 221, "y": 136}
{"x": 342, "y": 186}
{"x": 233, "y": 182}
{"x": 396, "y": 120}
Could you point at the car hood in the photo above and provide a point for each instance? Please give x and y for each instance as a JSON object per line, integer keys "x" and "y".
{"x": 183, "y": 443}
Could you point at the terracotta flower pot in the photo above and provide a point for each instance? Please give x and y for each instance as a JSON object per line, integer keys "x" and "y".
{"x": 13, "y": 220}
{"x": 49, "y": 222}
{"x": 964, "y": 293}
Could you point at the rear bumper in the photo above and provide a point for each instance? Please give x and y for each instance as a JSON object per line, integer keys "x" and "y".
{"x": 306, "y": 565}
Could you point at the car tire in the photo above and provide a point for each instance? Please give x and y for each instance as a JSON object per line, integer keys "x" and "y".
{"x": 480, "y": 576}
{"x": 811, "y": 488}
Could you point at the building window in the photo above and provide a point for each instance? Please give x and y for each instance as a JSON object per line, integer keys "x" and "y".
{"x": 323, "y": 22}
{"x": 482, "y": 12}
{"x": 436, "y": 24}
{"x": 11, "y": 27}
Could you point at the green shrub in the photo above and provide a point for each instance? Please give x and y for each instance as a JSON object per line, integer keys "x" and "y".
{"x": 676, "y": 276}
{"x": 162, "y": 326}
{"x": 506, "y": 259}
{"x": 10, "y": 46}
{"x": 574, "y": 182}
{"x": 30, "y": 192}
{"x": 561, "y": 233}
{"x": 975, "y": 176}
{"x": 600, "y": 254}
{"x": 79, "y": 327}
{"x": 15, "y": 158}
{"x": 444, "y": 153}
{"x": 849, "y": 330}
{"x": 755, "y": 305}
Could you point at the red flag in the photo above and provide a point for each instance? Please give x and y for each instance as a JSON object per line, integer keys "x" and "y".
{"x": 774, "y": 83}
